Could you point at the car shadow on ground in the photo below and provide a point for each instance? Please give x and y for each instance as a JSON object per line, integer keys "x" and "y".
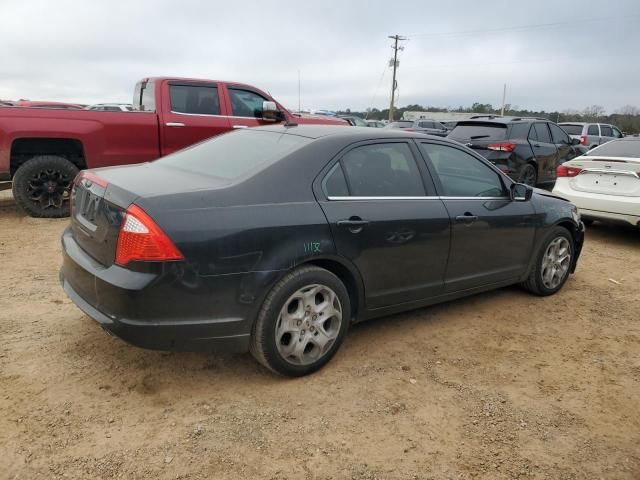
{"x": 616, "y": 234}
{"x": 150, "y": 372}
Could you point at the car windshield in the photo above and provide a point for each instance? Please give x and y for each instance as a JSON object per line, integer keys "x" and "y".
{"x": 485, "y": 131}
{"x": 572, "y": 129}
{"x": 617, "y": 148}
{"x": 235, "y": 154}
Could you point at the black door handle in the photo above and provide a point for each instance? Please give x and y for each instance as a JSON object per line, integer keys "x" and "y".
{"x": 537, "y": 145}
{"x": 467, "y": 218}
{"x": 354, "y": 224}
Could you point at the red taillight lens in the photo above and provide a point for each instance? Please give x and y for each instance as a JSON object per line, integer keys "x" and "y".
{"x": 583, "y": 139}
{"x": 91, "y": 177}
{"x": 567, "y": 171}
{"x": 502, "y": 147}
{"x": 141, "y": 239}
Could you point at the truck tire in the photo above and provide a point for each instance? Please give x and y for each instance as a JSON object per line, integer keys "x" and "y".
{"x": 42, "y": 186}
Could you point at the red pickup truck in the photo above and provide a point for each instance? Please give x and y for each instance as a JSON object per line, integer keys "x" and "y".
{"x": 41, "y": 150}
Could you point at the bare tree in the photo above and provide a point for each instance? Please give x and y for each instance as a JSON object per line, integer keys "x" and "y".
{"x": 628, "y": 110}
{"x": 594, "y": 112}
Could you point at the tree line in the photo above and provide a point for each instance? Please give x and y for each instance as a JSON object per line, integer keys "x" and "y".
{"x": 626, "y": 118}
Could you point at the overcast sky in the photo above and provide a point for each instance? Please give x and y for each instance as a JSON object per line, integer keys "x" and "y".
{"x": 457, "y": 52}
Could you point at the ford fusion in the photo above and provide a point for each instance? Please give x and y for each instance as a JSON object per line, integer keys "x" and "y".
{"x": 274, "y": 240}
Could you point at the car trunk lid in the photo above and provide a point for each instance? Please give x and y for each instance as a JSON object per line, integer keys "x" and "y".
{"x": 607, "y": 175}
{"x": 101, "y": 197}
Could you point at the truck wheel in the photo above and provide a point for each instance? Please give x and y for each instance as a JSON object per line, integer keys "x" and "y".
{"x": 42, "y": 186}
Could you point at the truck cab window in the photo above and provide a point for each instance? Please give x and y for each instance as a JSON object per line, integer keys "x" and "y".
{"x": 195, "y": 99}
{"x": 245, "y": 103}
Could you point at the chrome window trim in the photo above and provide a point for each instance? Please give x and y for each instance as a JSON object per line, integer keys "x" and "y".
{"x": 435, "y": 197}
{"x": 212, "y": 115}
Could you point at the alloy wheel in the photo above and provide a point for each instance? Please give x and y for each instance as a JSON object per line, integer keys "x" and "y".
{"x": 556, "y": 262}
{"x": 308, "y": 324}
{"x": 49, "y": 188}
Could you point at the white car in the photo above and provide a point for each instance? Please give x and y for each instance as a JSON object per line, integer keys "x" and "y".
{"x": 605, "y": 182}
{"x": 110, "y": 107}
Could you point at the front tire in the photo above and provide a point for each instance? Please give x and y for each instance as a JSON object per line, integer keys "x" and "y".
{"x": 42, "y": 186}
{"x": 553, "y": 264}
{"x": 302, "y": 322}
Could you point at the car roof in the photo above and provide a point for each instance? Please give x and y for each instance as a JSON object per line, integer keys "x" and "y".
{"x": 357, "y": 133}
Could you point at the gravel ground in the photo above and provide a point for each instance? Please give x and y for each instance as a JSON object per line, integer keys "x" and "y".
{"x": 501, "y": 385}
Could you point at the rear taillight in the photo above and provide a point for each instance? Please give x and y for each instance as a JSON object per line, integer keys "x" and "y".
{"x": 502, "y": 147}
{"x": 90, "y": 177}
{"x": 583, "y": 139}
{"x": 567, "y": 171}
{"x": 141, "y": 239}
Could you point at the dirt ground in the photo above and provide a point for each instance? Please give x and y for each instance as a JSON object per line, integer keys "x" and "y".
{"x": 500, "y": 385}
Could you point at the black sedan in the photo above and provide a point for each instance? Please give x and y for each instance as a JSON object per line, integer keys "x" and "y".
{"x": 276, "y": 239}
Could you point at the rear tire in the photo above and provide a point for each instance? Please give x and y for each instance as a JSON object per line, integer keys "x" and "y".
{"x": 302, "y": 322}
{"x": 42, "y": 186}
{"x": 528, "y": 175}
{"x": 552, "y": 265}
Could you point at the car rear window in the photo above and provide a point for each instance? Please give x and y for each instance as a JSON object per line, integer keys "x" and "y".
{"x": 235, "y": 154}
{"x": 572, "y": 129}
{"x": 617, "y": 148}
{"x": 479, "y": 131}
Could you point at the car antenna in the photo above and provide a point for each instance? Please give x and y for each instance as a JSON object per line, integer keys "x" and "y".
{"x": 289, "y": 123}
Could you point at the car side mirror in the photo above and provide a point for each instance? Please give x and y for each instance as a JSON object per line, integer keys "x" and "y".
{"x": 270, "y": 112}
{"x": 575, "y": 141}
{"x": 519, "y": 192}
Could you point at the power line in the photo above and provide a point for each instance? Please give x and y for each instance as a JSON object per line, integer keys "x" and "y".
{"x": 524, "y": 27}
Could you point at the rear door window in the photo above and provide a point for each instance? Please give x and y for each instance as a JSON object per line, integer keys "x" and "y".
{"x": 479, "y": 131}
{"x": 194, "y": 99}
{"x": 335, "y": 184}
{"x": 542, "y": 132}
{"x": 382, "y": 170}
{"x": 593, "y": 130}
{"x": 606, "y": 131}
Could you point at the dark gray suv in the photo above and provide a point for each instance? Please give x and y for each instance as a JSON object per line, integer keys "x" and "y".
{"x": 526, "y": 149}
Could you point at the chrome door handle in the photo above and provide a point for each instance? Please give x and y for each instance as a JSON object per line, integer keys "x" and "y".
{"x": 174, "y": 124}
{"x": 240, "y": 126}
{"x": 467, "y": 218}
{"x": 354, "y": 224}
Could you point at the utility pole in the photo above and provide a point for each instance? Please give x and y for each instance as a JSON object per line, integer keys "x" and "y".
{"x": 395, "y": 47}
{"x": 504, "y": 98}
{"x": 298, "y": 91}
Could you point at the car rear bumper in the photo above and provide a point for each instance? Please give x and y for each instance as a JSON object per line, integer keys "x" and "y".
{"x": 597, "y": 206}
{"x": 159, "y": 311}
